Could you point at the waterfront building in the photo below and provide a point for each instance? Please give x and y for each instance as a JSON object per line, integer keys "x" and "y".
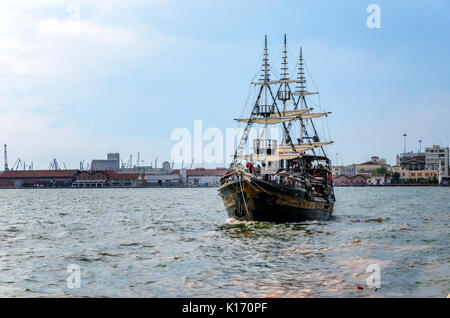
{"x": 166, "y": 180}
{"x": 378, "y": 160}
{"x": 366, "y": 168}
{"x": 37, "y": 178}
{"x": 91, "y": 179}
{"x": 111, "y": 163}
{"x": 376, "y": 179}
{"x": 437, "y": 158}
{"x": 445, "y": 181}
{"x": 107, "y": 178}
{"x": 394, "y": 169}
{"x": 411, "y": 161}
{"x": 68, "y": 178}
{"x": 345, "y": 180}
{"x": 348, "y": 170}
{"x": 418, "y": 174}
{"x": 388, "y": 179}
{"x": 150, "y": 170}
{"x": 201, "y": 177}
{"x": 133, "y": 180}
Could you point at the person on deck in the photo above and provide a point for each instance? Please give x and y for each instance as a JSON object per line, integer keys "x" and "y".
{"x": 250, "y": 167}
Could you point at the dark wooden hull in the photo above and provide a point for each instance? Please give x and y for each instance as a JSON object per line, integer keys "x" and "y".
{"x": 258, "y": 200}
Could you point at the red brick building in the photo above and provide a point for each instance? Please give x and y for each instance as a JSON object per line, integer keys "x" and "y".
{"x": 344, "y": 180}
{"x": 37, "y": 178}
{"x": 68, "y": 178}
{"x": 107, "y": 178}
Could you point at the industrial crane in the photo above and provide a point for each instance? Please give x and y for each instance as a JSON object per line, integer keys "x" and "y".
{"x": 54, "y": 165}
{"x": 17, "y": 164}
{"x": 6, "y": 159}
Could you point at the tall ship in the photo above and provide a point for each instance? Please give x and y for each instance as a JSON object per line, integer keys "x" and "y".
{"x": 286, "y": 178}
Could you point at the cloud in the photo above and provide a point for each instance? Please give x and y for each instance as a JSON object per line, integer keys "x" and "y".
{"x": 41, "y": 51}
{"x": 46, "y": 54}
{"x": 38, "y": 138}
{"x": 83, "y": 30}
{"x": 41, "y": 46}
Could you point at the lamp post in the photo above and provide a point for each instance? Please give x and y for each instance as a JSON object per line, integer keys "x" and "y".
{"x": 404, "y": 149}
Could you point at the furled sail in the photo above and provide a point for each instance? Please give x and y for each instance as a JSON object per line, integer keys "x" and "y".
{"x": 285, "y": 81}
{"x": 292, "y": 112}
{"x": 313, "y": 115}
{"x": 304, "y": 93}
{"x": 276, "y": 119}
{"x": 304, "y": 147}
{"x": 261, "y": 157}
{"x": 270, "y": 120}
{"x": 284, "y": 149}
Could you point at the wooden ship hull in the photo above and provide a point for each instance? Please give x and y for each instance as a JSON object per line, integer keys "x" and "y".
{"x": 253, "y": 199}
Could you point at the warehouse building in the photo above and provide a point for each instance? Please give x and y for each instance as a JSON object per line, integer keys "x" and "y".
{"x": 102, "y": 179}
{"x": 111, "y": 163}
{"x": 37, "y": 178}
{"x": 201, "y": 177}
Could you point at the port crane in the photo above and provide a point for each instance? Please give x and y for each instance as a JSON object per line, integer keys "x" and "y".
{"x": 84, "y": 166}
{"x": 54, "y": 165}
{"x": 130, "y": 162}
{"x": 6, "y": 159}
{"x": 21, "y": 165}
{"x": 17, "y": 164}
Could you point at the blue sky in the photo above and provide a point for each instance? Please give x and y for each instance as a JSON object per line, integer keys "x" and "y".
{"x": 128, "y": 73}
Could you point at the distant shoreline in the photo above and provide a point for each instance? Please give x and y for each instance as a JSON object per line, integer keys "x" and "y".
{"x": 216, "y": 187}
{"x": 389, "y": 185}
{"x": 146, "y": 187}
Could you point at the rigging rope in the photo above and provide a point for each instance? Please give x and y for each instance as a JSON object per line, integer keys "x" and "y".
{"x": 243, "y": 198}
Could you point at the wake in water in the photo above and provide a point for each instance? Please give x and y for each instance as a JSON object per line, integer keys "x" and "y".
{"x": 233, "y": 221}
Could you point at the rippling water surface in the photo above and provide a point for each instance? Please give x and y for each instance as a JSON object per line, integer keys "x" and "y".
{"x": 178, "y": 242}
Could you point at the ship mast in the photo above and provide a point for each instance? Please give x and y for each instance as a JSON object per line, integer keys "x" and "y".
{"x": 267, "y": 109}
{"x": 270, "y": 113}
{"x": 284, "y": 94}
{"x": 258, "y": 110}
{"x": 301, "y": 88}
{"x": 266, "y": 80}
{"x": 301, "y": 92}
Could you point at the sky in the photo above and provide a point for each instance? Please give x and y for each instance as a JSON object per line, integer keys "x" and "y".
{"x": 79, "y": 79}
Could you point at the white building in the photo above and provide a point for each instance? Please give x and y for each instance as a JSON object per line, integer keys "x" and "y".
{"x": 201, "y": 177}
{"x": 343, "y": 170}
{"x": 111, "y": 163}
{"x": 376, "y": 180}
{"x": 437, "y": 158}
{"x": 163, "y": 179}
